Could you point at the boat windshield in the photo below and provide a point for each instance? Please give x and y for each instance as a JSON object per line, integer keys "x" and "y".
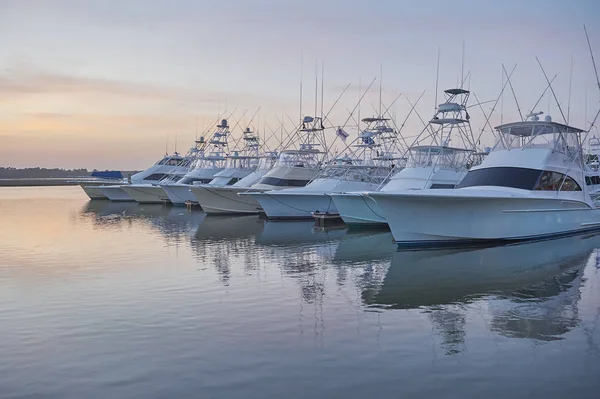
{"x": 211, "y": 161}
{"x": 267, "y": 162}
{"x": 423, "y": 156}
{"x": 370, "y": 174}
{"x": 560, "y": 138}
{"x": 241, "y": 162}
{"x": 170, "y": 161}
{"x": 301, "y": 159}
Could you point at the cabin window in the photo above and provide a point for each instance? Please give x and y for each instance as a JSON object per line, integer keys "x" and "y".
{"x": 155, "y": 176}
{"x": 589, "y": 180}
{"x": 522, "y": 178}
{"x": 437, "y": 185}
{"x": 552, "y": 181}
{"x": 274, "y": 181}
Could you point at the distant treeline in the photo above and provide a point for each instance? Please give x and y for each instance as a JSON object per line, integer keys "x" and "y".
{"x": 43, "y": 173}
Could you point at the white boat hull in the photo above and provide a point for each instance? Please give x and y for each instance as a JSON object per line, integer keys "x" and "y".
{"x": 356, "y": 210}
{"x": 147, "y": 194}
{"x": 447, "y": 220}
{"x": 281, "y": 206}
{"x": 225, "y": 200}
{"x": 179, "y": 194}
{"x": 116, "y": 193}
{"x": 95, "y": 192}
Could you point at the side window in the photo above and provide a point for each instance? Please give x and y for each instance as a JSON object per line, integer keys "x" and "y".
{"x": 155, "y": 176}
{"x": 570, "y": 185}
{"x": 551, "y": 181}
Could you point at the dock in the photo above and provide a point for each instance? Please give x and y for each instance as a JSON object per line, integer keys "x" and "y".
{"x": 326, "y": 220}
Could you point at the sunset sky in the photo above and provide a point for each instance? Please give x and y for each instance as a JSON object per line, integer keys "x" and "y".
{"x": 106, "y": 84}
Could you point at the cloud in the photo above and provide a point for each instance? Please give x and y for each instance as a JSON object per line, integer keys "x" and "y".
{"x": 16, "y": 83}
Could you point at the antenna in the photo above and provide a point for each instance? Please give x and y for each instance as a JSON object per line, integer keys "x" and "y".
{"x": 167, "y": 146}
{"x": 316, "y": 85}
{"x": 502, "y": 99}
{"x": 437, "y": 78}
{"x": 322, "y": 86}
{"x": 301, "y": 70}
{"x": 380, "y": 86}
{"x": 552, "y": 90}
{"x": 570, "y": 85}
{"x": 592, "y": 55}
{"x": 585, "y": 109}
{"x": 462, "y": 67}
{"x": 359, "y": 98}
{"x": 175, "y": 142}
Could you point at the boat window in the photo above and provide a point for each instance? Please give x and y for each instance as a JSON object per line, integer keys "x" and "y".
{"x": 438, "y": 185}
{"x": 155, "y": 176}
{"x": 552, "y": 181}
{"x": 522, "y": 178}
{"x": 589, "y": 180}
{"x": 274, "y": 181}
{"x": 191, "y": 180}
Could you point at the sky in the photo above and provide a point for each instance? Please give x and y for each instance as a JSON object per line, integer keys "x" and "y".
{"x": 114, "y": 84}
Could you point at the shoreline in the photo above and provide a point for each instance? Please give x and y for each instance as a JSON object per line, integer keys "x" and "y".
{"x": 40, "y": 182}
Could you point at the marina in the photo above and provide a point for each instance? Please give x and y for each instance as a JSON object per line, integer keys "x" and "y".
{"x": 309, "y": 199}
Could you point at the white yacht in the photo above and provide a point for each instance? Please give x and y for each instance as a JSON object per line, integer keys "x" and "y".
{"x": 373, "y": 155}
{"x": 208, "y": 163}
{"x": 433, "y": 166}
{"x": 535, "y": 184}
{"x": 224, "y": 200}
{"x": 295, "y": 167}
{"x": 155, "y": 193}
{"x": 153, "y": 174}
{"x": 93, "y": 186}
{"x": 149, "y": 192}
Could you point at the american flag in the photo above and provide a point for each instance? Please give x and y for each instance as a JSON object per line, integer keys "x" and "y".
{"x": 342, "y": 134}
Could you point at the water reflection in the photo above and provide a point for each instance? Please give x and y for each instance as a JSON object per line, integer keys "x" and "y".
{"x": 535, "y": 287}
{"x": 221, "y": 241}
{"x": 172, "y": 222}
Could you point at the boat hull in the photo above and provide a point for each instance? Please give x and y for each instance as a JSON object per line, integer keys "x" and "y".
{"x": 147, "y": 194}
{"x": 446, "y": 221}
{"x": 297, "y": 206}
{"x": 95, "y": 192}
{"x": 179, "y": 194}
{"x": 225, "y": 200}
{"x": 116, "y": 193}
{"x": 358, "y": 211}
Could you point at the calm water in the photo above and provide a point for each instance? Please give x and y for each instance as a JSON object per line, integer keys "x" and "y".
{"x": 102, "y": 300}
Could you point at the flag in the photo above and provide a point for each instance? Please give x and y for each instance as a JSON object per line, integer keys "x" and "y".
{"x": 342, "y": 134}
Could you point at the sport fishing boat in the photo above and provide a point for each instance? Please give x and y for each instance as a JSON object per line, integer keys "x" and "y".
{"x": 432, "y": 166}
{"x": 93, "y": 186}
{"x": 224, "y": 200}
{"x": 295, "y": 167}
{"x": 167, "y": 165}
{"x": 151, "y": 192}
{"x": 210, "y": 160}
{"x": 373, "y": 155}
{"x": 155, "y": 193}
{"x": 534, "y": 185}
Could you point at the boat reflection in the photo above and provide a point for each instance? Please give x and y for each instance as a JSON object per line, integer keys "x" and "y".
{"x": 221, "y": 241}
{"x": 291, "y": 234}
{"x": 171, "y": 222}
{"x": 535, "y": 287}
